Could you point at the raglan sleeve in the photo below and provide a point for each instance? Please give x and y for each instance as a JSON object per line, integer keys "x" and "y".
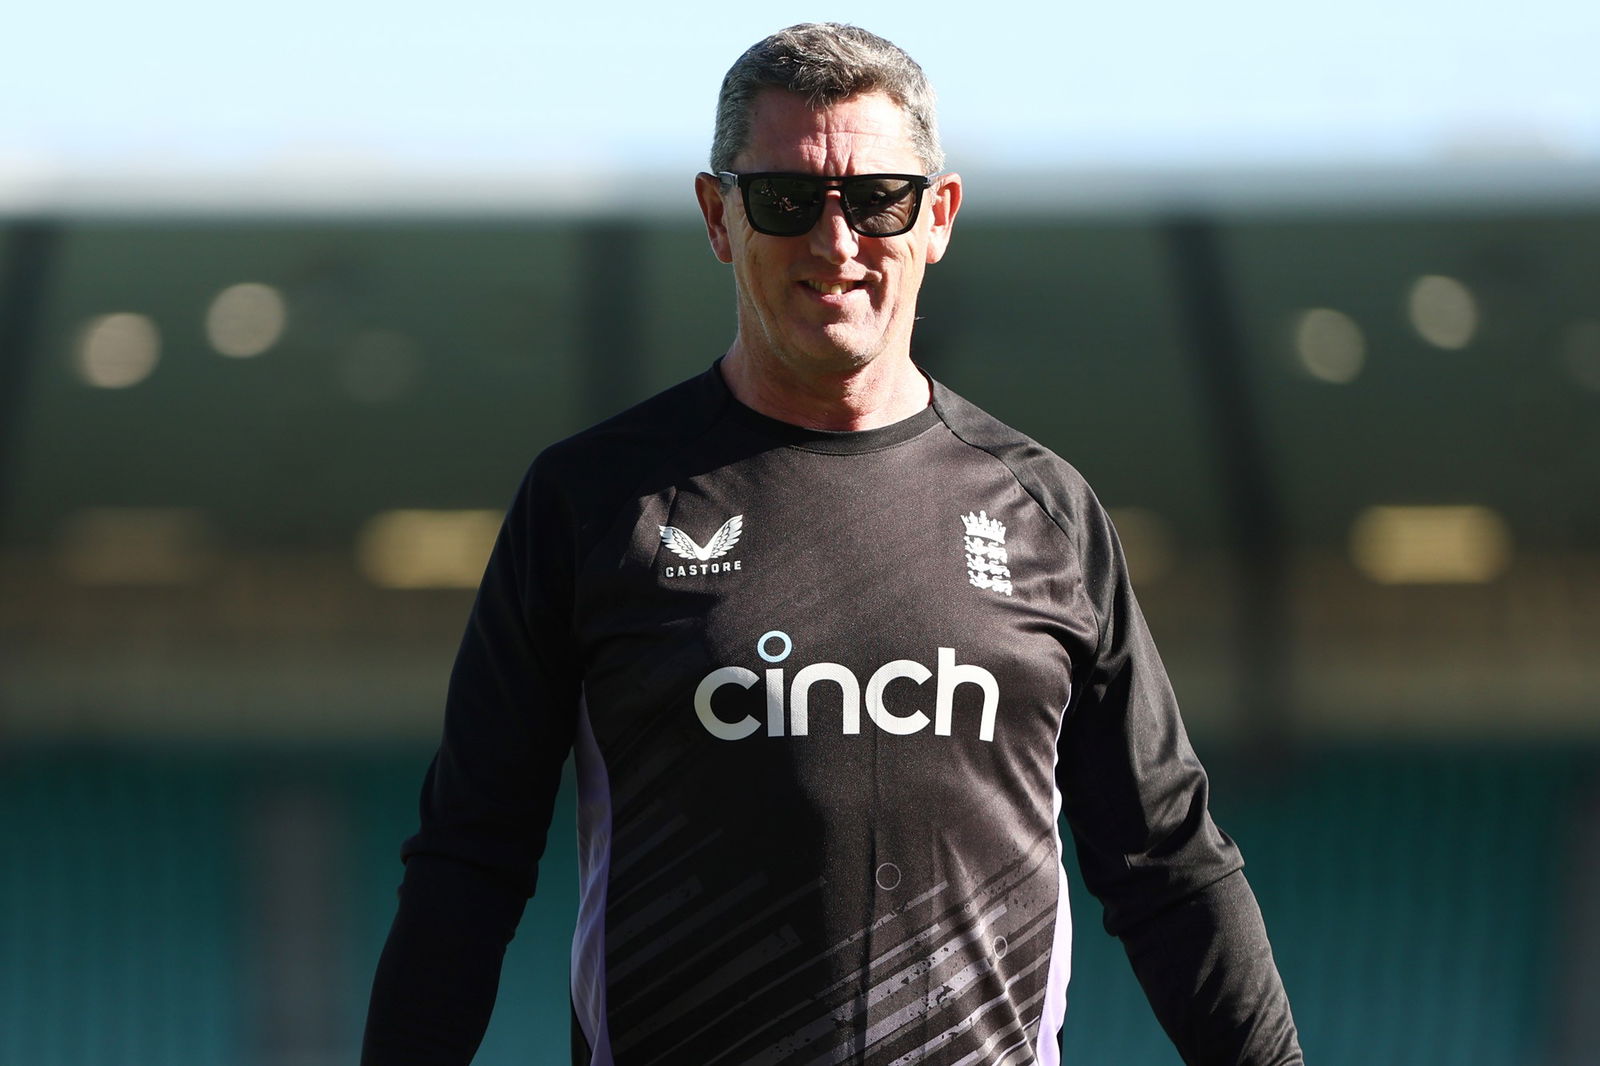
{"x": 1136, "y": 799}
{"x": 487, "y": 798}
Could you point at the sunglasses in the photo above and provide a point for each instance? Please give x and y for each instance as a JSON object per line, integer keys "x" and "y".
{"x": 788, "y": 205}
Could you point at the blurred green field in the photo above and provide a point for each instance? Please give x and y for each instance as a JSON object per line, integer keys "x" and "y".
{"x": 156, "y": 906}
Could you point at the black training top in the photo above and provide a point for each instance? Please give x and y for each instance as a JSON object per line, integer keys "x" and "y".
{"x": 828, "y": 694}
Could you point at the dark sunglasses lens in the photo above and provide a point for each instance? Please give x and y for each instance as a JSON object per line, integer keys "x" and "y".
{"x": 882, "y": 207}
{"x": 784, "y": 207}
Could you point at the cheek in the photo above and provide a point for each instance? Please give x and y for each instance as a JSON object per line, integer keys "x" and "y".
{"x": 759, "y": 280}
{"x": 905, "y": 276}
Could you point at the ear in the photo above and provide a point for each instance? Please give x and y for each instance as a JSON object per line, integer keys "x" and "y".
{"x": 944, "y": 202}
{"x": 709, "y": 192}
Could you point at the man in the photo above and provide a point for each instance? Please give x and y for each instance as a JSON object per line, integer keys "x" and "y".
{"x": 833, "y": 648}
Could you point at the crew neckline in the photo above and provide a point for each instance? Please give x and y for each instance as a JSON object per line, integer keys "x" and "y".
{"x": 827, "y": 441}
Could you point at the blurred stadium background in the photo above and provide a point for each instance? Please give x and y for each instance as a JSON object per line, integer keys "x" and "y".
{"x": 253, "y": 449}
{"x": 251, "y": 467}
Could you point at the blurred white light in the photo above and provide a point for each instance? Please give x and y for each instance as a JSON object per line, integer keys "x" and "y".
{"x": 1581, "y": 347}
{"x": 380, "y": 366}
{"x": 246, "y": 319}
{"x": 1442, "y": 311}
{"x": 1430, "y": 545}
{"x": 1147, "y": 541}
{"x": 414, "y": 549}
{"x": 135, "y": 546}
{"x": 1330, "y": 344}
{"x": 118, "y": 350}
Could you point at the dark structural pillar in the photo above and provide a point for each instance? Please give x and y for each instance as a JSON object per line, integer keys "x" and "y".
{"x": 611, "y": 310}
{"x": 29, "y": 258}
{"x": 1253, "y": 520}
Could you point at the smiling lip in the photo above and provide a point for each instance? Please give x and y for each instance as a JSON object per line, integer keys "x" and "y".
{"x": 831, "y": 288}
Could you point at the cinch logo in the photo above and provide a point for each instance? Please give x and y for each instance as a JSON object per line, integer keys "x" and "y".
{"x": 774, "y": 647}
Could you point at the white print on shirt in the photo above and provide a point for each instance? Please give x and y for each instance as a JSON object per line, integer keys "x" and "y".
{"x": 986, "y": 553}
{"x": 722, "y": 541}
{"x": 775, "y": 647}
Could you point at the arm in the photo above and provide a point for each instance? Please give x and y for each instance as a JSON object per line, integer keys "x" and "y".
{"x": 1207, "y": 969}
{"x": 440, "y": 968}
{"x": 1171, "y": 882}
{"x": 487, "y": 799}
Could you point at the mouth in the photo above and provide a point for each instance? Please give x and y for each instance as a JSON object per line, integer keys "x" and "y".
{"x": 832, "y": 288}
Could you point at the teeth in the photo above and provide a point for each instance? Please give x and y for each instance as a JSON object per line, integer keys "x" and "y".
{"x": 831, "y": 289}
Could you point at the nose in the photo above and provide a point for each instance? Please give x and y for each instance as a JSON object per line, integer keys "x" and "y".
{"x": 832, "y": 238}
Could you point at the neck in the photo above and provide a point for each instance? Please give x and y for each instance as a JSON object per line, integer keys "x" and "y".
{"x": 884, "y": 391}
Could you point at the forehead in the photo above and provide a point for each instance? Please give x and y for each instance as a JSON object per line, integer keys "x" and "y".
{"x": 863, "y": 134}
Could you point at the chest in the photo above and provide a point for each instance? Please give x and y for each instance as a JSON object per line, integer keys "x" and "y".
{"x": 795, "y": 608}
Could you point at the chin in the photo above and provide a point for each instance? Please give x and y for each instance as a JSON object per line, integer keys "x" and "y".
{"x": 828, "y": 350}
{"x": 851, "y": 351}
{"x": 837, "y": 361}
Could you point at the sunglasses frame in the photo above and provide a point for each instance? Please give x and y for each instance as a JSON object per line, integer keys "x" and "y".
{"x": 920, "y": 183}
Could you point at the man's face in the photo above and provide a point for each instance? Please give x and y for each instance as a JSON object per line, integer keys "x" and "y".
{"x": 829, "y": 301}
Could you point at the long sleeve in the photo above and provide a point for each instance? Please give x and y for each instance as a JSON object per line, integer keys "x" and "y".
{"x": 1207, "y": 969}
{"x": 1170, "y": 880}
{"x": 440, "y": 969}
{"x": 487, "y": 800}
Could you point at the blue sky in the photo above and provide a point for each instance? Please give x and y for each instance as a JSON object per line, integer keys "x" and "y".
{"x": 489, "y": 86}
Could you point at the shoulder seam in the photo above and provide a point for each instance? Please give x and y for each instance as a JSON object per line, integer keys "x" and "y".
{"x": 677, "y": 436}
{"x": 944, "y": 401}
{"x": 943, "y": 405}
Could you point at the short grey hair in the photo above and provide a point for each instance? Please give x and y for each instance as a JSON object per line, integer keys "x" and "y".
{"x": 825, "y": 62}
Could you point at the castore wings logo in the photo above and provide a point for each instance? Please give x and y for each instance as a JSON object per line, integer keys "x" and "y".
{"x": 685, "y": 547}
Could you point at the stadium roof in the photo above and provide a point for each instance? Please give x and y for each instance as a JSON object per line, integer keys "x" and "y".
{"x": 371, "y": 189}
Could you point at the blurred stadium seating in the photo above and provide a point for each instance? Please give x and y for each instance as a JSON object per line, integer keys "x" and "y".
{"x": 248, "y": 466}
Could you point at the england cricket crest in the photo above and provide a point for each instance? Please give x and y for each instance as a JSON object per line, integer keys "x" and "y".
{"x": 986, "y": 553}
